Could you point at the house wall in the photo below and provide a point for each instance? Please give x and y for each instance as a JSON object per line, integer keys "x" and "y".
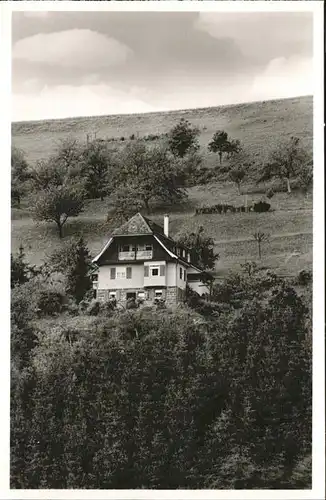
{"x": 181, "y": 283}
{"x": 136, "y": 280}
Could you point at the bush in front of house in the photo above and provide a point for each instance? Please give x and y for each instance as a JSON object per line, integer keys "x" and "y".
{"x": 93, "y": 308}
{"x": 50, "y": 302}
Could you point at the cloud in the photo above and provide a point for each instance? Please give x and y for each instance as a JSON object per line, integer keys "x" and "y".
{"x": 284, "y": 77}
{"x": 76, "y": 48}
{"x": 261, "y": 36}
{"x": 66, "y": 101}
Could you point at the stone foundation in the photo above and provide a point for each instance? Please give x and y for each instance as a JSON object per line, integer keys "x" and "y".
{"x": 172, "y": 295}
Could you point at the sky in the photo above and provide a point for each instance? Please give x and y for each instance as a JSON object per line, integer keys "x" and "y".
{"x": 67, "y": 64}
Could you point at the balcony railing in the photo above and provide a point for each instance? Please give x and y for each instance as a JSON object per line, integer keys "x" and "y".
{"x": 139, "y": 255}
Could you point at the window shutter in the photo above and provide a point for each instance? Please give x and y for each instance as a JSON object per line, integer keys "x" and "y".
{"x": 146, "y": 271}
{"x": 112, "y": 273}
{"x": 128, "y": 271}
{"x": 162, "y": 270}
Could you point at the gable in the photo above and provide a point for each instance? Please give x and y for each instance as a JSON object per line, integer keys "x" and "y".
{"x": 135, "y": 226}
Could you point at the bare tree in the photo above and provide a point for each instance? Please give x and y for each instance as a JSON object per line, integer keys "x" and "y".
{"x": 260, "y": 237}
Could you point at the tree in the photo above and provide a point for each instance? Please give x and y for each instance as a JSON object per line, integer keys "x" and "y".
{"x": 221, "y": 144}
{"x": 21, "y": 271}
{"x": 150, "y": 172}
{"x": 285, "y": 162}
{"x": 19, "y": 165}
{"x": 237, "y": 175}
{"x": 260, "y": 237}
{"x": 47, "y": 174}
{"x": 19, "y": 175}
{"x": 126, "y": 203}
{"x": 74, "y": 261}
{"x": 306, "y": 177}
{"x": 57, "y": 204}
{"x": 68, "y": 153}
{"x": 183, "y": 137}
{"x": 232, "y": 147}
{"x": 201, "y": 247}
{"x": 96, "y": 169}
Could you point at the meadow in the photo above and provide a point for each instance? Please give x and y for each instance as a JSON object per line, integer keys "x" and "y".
{"x": 259, "y": 126}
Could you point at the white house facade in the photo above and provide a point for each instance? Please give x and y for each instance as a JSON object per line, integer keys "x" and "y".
{"x": 140, "y": 261}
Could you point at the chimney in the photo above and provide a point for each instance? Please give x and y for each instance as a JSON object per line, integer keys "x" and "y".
{"x": 166, "y": 225}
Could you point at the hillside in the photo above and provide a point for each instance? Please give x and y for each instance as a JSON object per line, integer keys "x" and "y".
{"x": 258, "y": 125}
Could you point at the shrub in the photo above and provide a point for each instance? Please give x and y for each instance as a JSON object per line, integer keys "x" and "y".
{"x": 93, "y": 308}
{"x": 50, "y": 302}
{"x": 131, "y": 304}
{"x": 304, "y": 277}
{"x": 269, "y": 193}
{"x": 262, "y": 206}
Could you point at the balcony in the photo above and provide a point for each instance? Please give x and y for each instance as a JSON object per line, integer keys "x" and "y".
{"x": 157, "y": 281}
{"x": 139, "y": 255}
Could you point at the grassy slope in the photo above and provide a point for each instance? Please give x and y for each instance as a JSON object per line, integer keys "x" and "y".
{"x": 258, "y": 125}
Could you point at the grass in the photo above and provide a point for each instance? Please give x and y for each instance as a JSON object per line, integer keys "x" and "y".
{"x": 290, "y": 226}
{"x": 258, "y": 125}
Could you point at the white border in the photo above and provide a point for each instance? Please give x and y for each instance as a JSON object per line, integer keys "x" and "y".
{"x": 316, "y": 7}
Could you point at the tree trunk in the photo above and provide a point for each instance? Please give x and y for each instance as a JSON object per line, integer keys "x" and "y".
{"x": 146, "y": 201}
{"x": 239, "y": 188}
{"x": 220, "y": 155}
{"x": 59, "y": 229}
{"x": 288, "y": 185}
{"x": 259, "y": 249}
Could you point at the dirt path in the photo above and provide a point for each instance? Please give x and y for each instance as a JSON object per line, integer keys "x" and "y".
{"x": 273, "y": 236}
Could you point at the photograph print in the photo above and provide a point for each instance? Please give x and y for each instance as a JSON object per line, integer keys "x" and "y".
{"x": 161, "y": 250}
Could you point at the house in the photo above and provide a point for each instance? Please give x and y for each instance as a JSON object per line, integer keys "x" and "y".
{"x": 140, "y": 261}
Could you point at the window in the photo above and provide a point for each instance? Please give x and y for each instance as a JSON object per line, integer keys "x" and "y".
{"x": 184, "y": 253}
{"x": 94, "y": 277}
{"x": 131, "y": 295}
{"x": 125, "y": 248}
{"x": 128, "y": 273}
{"x": 94, "y": 294}
{"x": 184, "y": 275}
{"x": 148, "y": 248}
{"x": 121, "y": 273}
{"x": 112, "y": 294}
{"x": 112, "y": 273}
{"x": 141, "y": 295}
{"x": 154, "y": 271}
{"x": 178, "y": 252}
{"x": 181, "y": 272}
{"x": 158, "y": 294}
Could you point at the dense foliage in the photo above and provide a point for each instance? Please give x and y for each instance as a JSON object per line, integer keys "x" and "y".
{"x": 211, "y": 396}
{"x": 183, "y": 137}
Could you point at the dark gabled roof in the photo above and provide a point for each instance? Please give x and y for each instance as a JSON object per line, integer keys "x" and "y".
{"x": 138, "y": 225}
